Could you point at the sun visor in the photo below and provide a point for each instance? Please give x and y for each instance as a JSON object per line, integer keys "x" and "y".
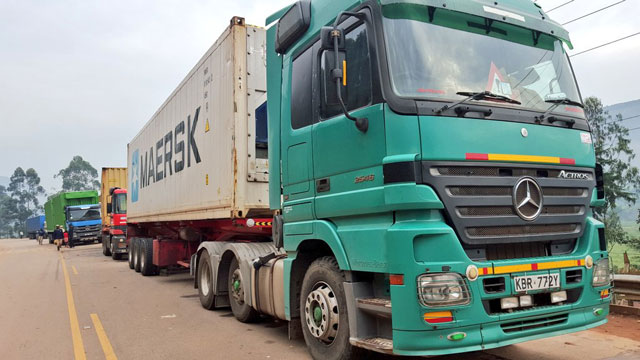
{"x": 525, "y": 14}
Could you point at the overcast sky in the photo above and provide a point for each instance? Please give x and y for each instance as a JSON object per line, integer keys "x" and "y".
{"x": 82, "y": 77}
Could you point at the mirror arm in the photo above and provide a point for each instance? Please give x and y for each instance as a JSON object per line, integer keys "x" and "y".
{"x": 361, "y": 123}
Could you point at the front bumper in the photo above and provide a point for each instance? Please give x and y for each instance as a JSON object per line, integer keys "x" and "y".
{"x": 492, "y": 335}
{"x": 440, "y": 251}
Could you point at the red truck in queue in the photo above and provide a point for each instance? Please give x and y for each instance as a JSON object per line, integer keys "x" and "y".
{"x": 114, "y": 233}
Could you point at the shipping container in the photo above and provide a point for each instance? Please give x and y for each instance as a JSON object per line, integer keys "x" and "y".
{"x": 113, "y": 177}
{"x": 200, "y": 157}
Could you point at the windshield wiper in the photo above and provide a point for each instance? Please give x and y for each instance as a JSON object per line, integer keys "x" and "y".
{"x": 484, "y": 95}
{"x": 556, "y": 103}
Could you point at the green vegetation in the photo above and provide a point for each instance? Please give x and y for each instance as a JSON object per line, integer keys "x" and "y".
{"x": 613, "y": 151}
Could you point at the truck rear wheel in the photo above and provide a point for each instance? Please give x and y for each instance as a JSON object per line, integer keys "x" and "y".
{"x": 130, "y": 253}
{"x": 146, "y": 257}
{"x": 136, "y": 255}
{"x": 205, "y": 281}
{"x": 105, "y": 250}
{"x": 236, "y": 285}
{"x": 323, "y": 312}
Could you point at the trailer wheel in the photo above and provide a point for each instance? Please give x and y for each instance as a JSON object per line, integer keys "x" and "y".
{"x": 323, "y": 312}
{"x": 236, "y": 285}
{"x": 205, "y": 281}
{"x": 105, "y": 250}
{"x": 130, "y": 253}
{"x": 114, "y": 255}
{"x": 136, "y": 255}
{"x": 50, "y": 239}
{"x": 146, "y": 258}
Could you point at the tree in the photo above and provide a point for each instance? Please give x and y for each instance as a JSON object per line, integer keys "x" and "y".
{"x": 79, "y": 175}
{"x": 22, "y": 202}
{"x": 611, "y": 142}
{"x": 8, "y": 213}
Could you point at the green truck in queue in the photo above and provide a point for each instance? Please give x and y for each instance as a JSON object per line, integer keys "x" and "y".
{"x": 431, "y": 178}
{"x": 77, "y": 212}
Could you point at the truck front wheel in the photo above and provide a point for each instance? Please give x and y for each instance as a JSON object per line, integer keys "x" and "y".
{"x": 205, "y": 281}
{"x": 236, "y": 285}
{"x": 112, "y": 247}
{"x": 105, "y": 250}
{"x": 323, "y": 312}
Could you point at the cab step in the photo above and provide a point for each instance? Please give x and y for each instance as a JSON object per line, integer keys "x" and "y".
{"x": 377, "y": 306}
{"x": 377, "y": 344}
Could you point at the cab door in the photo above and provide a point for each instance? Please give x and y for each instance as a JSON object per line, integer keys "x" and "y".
{"x": 345, "y": 159}
{"x": 297, "y": 160}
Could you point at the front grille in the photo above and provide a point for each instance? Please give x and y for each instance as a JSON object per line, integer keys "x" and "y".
{"x": 479, "y": 201}
{"x": 509, "y": 210}
{"x": 536, "y": 323}
{"x": 531, "y": 230}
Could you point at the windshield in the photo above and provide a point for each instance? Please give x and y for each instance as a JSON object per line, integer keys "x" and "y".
{"x": 84, "y": 214}
{"x": 120, "y": 204}
{"x": 433, "y": 60}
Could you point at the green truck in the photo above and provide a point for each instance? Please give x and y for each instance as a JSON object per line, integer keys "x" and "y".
{"x": 77, "y": 212}
{"x": 431, "y": 178}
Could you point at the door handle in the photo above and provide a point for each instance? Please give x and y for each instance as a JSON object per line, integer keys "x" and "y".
{"x": 323, "y": 185}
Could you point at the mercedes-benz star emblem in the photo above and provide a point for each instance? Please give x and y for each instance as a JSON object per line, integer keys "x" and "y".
{"x": 527, "y": 199}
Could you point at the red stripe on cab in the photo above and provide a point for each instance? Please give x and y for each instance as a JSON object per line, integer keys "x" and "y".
{"x": 475, "y": 156}
{"x": 565, "y": 161}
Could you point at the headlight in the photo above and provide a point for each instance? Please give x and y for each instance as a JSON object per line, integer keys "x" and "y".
{"x": 442, "y": 289}
{"x": 601, "y": 274}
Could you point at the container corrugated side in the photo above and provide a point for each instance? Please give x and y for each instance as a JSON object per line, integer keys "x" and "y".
{"x": 191, "y": 160}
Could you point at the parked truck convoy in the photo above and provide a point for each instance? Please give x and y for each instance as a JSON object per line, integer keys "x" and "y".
{"x": 113, "y": 203}
{"x": 77, "y": 212}
{"x": 428, "y": 187}
{"x": 33, "y": 225}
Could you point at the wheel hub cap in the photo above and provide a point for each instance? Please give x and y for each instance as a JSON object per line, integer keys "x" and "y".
{"x": 322, "y": 314}
{"x": 236, "y": 287}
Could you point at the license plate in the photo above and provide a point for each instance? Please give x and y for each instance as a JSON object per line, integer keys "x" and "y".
{"x": 536, "y": 282}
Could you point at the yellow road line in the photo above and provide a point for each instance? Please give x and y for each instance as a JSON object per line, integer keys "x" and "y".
{"x": 78, "y": 345}
{"x": 75, "y": 271}
{"x": 104, "y": 340}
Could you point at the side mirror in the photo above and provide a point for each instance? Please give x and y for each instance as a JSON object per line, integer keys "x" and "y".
{"x": 109, "y": 208}
{"x": 332, "y": 37}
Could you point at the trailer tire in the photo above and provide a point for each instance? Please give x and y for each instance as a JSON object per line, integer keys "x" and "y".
{"x": 146, "y": 258}
{"x": 136, "y": 255}
{"x": 105, "y": 250}
{"x": 241, "y": 310}
{"x": 130, "y": 252}
{"x": 205, "y": 281}
{"x": 323, "y": 311}
{"x": 50, "y": 239}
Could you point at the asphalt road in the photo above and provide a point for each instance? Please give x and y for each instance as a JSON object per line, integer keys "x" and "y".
{"x": 104, "y": 310}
